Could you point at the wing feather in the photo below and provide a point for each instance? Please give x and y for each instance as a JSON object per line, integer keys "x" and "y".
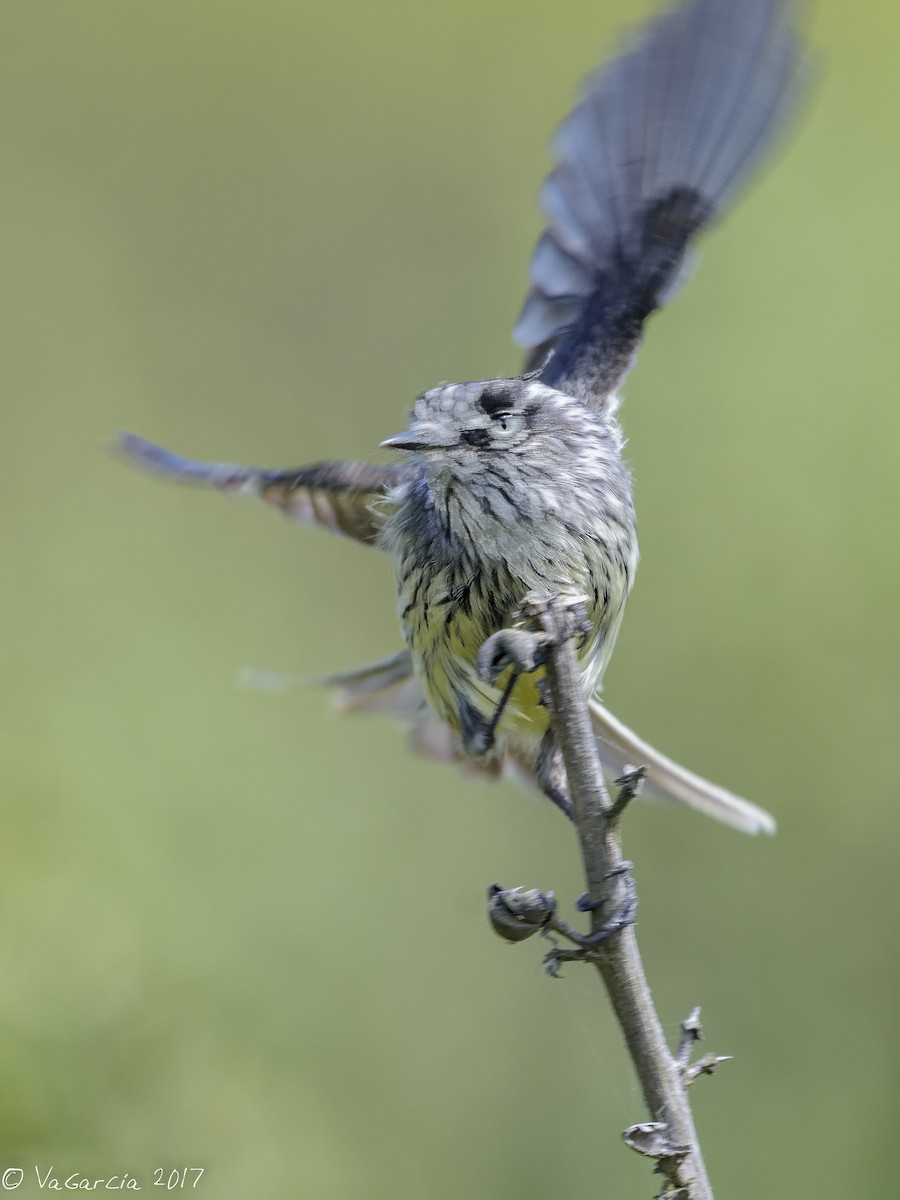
{"x": 647, "y": 159}
{"x": 343, "y": 497}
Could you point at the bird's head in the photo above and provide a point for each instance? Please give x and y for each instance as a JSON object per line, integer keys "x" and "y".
{"x": 459, "y": 427}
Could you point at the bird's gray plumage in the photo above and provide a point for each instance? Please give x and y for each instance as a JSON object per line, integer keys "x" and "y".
{"x": 517, "y": 485}
{"x": 522, "y": 489}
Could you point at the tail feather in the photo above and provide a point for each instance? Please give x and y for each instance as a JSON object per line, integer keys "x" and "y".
{"x": 386, "y": 687}
{"x": 389, "y": 688}
{"x": 620, "y": 747}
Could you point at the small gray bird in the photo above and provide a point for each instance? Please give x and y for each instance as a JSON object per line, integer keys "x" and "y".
{"x": 517, "y": 485}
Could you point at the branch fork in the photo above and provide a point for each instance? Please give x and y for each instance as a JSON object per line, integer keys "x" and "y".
{"x": 691, "y": 1033}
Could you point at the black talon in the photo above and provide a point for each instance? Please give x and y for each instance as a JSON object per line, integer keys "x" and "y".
{"x": 623, "y": 916}
{"x": 585, "y": 904}
{"x": 562, "y": 617}
{"x": 514, "y": 677}
{"x": 509, "y": 648}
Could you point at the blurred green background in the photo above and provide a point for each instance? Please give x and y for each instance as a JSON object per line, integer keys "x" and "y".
{"x": 237, "y": 932}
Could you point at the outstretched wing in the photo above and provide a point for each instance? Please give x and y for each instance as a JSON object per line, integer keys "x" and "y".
{"x": 342, "y": 497}
{"x": 647, "y": 159}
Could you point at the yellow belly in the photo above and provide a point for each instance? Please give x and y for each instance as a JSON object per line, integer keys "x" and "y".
{"x": 444, "y": 655}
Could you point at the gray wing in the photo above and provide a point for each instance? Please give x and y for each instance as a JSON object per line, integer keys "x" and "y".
{"x": 647, "y": 159}
{"x": 342, "y": 497}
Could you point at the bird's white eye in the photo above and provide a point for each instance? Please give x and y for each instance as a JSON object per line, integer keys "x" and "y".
{"x": 505, "y": 424}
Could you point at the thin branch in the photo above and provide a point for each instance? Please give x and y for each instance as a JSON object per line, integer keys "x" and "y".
{"x": 691, "y": 1034}
{"x": 704, "y": 1066}
{"x": 669, "y": 1137}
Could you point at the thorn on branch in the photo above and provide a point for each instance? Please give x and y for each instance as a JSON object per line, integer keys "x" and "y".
{"x": 630, "y": 784}
{"x": 691, "y": 1033}
{"x": 704, "y": 1066}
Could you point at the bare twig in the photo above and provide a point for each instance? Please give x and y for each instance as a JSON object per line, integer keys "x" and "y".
{"x": 670, "y": 1137}
{"x": 629, "y": 785}
{"x": 691, "y": 1033}
{"x": 704, "y": 1066}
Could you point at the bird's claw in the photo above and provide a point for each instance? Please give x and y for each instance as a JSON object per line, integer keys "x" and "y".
{"x": 551, "y": 618}
{"x": 516, "y": 648}
{"x": 558, "y": 617}
{"x": 624, "y": 914}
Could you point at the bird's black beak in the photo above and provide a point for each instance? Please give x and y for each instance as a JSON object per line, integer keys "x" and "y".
{"x": 419, "y": 439}
{"x": 404, "y": 441}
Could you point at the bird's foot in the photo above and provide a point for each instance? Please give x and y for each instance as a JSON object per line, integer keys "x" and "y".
{"x": 542, "y": 621}
{"x": 518, "y": 913}
{"x": 556, "y": 617}
{"x": 625, "y": 912}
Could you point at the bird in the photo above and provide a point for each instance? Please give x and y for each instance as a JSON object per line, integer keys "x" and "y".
{"x": 517, "y": 485}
